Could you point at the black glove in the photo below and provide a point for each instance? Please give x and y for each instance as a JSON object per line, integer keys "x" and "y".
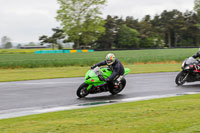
{"x": 92, "y": 67}
{"x": 107, "y": 80}
{"x": 196, "y": 55}
{"x": 101, "y": 78}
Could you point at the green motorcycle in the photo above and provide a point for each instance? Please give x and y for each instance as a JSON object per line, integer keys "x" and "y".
{"x": 94, "y": 84}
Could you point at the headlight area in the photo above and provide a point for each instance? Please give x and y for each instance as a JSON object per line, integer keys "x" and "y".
{"x": 187, "y": 67}
{"x": 183, "y": 64}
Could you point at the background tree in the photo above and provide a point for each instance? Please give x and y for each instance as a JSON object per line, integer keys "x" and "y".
{"x": 6, "y": 42}
{"x": 132, "y": 23}
{"x": 197, "y": 9}
{"x": 80, "y": 19}
{"x": 147, "y": 36}
{"x": 167, "y": 23}
{"x": 47, "y": 40}
{"x": 19, "y": 46}
{"x": 189, "y": 32}
{"x": 197, "y": 6}
{"x": 127, "y": 38}
{"x": 89, "y": 32}
{"x": 81, "y": 24}
{"x": 8, "y": 45}
{"x": 170, "y": 25}
{"x": 31, "y": 44}
{"x": 169, "y": 29}
{"x": 55, "y": 40}
{"x": 107, "y": 41}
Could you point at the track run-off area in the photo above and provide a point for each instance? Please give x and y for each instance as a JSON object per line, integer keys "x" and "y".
{"x": 39, "y": 96}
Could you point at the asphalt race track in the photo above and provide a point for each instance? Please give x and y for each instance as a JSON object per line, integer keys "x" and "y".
{"x": 62, "y": 92}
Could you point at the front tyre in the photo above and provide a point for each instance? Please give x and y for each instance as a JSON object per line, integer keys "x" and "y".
{"x": 181, "y": 78}
{"x": 82, "y": 90}
{"x": 117, "y": 90}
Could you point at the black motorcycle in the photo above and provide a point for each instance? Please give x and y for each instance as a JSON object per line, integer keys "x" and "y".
{"x": 190, "y": 71}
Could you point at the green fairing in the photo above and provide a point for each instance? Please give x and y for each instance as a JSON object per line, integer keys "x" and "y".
{"x": 92, "y": 79}
{"x": 127, "y": 70}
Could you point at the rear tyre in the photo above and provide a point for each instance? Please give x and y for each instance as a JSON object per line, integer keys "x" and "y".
{"x": 82, "y": 90}
{"x": 117, "y": 90}
{"x": 181, "y": 78}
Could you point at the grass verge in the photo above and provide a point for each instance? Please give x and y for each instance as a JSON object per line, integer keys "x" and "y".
{"x": 66, "y": 72}
{"x": 177, "y": 115}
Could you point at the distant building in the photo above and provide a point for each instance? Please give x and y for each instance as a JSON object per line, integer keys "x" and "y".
{"x": 68, "y": 45}
{"x": 85, "y": 47}
{"x": 33, "y": 47}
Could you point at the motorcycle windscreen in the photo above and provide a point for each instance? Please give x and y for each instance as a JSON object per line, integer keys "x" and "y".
{"x": 92, "y": 74}
{"x": 190, "y": 60}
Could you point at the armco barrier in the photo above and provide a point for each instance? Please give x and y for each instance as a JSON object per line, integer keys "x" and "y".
{"x": 63, "y": 51}
{"x": 86, "y": 50}
{"x": 73, "y": 51}
{"x": 79, "y": 51}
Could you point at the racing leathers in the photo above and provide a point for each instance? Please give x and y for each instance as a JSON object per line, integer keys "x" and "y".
{"x": 116, "y": 68}
{"x": 198, "y": 61}
{"x": 196, "y": 55}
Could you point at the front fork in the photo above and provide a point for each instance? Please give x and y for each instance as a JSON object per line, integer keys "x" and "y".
{"x": 89, "y": 87}
{"x": 187, "y": 73}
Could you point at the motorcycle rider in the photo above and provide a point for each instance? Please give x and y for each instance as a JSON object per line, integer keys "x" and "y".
{"x": 115, "y": 66}
{"x": 196, "y": 55}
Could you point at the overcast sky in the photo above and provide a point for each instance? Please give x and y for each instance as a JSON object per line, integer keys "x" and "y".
{"x": 26, "y": 20}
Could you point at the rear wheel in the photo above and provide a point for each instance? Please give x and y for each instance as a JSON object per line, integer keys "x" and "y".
{"x": 82, "y": 90}
{"x": 181, "y": 78}
{"x": 115, "y": 90}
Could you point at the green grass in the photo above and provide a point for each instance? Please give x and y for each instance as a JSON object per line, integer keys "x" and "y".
{"x": 66, "y": 72}
{"x": 168, "y": 115}
{"x": 88, "y": 59}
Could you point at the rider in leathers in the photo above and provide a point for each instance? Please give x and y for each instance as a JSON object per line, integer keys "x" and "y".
{"x": 198, "y": 61}
{"x": 115, "y": 66}
{"x": 196, "y": 55}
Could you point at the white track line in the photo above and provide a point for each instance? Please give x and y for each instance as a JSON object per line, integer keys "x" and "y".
{"x": 30, "y": 111}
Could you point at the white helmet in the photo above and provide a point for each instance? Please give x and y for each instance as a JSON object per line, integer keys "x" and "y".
{"x": 110, "y": 58}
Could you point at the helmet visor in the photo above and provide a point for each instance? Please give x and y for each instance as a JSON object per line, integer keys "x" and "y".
{"x": 109, "y": 62}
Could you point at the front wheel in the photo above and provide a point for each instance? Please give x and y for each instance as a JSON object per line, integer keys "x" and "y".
{"x": 120, "y": 87}
{"x": 181, "y": 78}
{"x": 82, "y": 90}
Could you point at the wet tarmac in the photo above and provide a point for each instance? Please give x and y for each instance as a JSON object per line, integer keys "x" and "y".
{"x": 62, "y": 92}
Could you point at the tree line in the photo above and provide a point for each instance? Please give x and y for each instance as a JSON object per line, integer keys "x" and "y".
{"x": 82, "y": 24}
{"x": 6, "y": 43}
{"x": 169, "y": 29}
